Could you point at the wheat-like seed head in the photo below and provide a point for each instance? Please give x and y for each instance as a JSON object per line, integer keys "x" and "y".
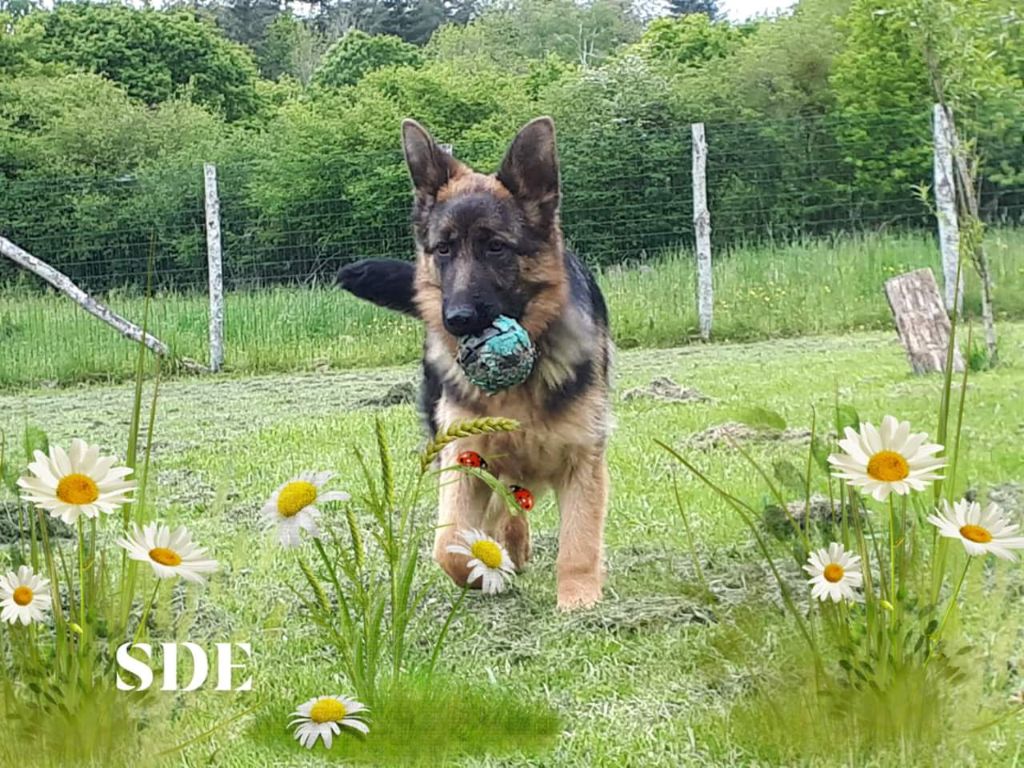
{"x": 484, "y": 426}
{"x": 314, "y": 582}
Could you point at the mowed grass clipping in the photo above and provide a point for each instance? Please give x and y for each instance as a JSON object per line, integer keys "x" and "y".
{"x": 814, "y": 287}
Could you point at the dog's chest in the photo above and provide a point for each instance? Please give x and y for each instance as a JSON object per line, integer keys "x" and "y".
{"x": 534, "y": 455}
{"x": 545, "y": 446}
{"x": 562, "y": 417}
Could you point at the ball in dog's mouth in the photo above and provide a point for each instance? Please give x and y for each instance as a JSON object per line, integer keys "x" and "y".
{"x": 499, "y": 357}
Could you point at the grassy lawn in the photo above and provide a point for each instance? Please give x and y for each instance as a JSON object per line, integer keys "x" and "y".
{"x": 816, "y": 287}
{"x": 653, "y": 675}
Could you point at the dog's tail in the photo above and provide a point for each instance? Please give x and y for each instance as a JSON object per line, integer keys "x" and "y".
{"x": 385, "y": 282}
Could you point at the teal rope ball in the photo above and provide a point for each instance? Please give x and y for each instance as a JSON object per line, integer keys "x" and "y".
{"x": 498, "y": 358}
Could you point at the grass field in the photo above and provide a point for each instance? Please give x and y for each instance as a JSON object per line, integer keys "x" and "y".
{"x": 658, "y": 674}
{"x": 817, "y": 287}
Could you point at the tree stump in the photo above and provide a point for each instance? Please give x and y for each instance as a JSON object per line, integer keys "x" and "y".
{"x": 921, "y": 321}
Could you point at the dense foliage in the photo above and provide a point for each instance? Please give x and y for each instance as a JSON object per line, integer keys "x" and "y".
{"x": 357, "y": 54}
{"x": 155, "y": 56}
{"x": 817, "y": 121}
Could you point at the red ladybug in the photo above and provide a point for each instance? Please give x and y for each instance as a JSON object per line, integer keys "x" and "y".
{"x": 471, "y": 459}
{"x": 523, "y": 496}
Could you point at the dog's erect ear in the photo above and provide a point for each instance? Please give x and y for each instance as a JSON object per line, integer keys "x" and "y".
{"x": 530, "y": 168}
{"x": 429, "y": 165}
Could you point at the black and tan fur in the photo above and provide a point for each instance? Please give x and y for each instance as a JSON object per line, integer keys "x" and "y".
{"x": 490, "y": 245}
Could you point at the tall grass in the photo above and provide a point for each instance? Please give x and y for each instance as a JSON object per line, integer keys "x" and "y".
{"x": 808, "y": 288}
{"x": 883, "y": 672}
{"x": 812, "y": 287}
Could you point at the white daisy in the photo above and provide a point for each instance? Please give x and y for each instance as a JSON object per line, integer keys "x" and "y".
{"x": 834, "y": 574}
{"x": 24, "y": 596}
{"x": 887, "y": 460}
{"x": 982, "y": 533}
{"x": 79, "y": 482}
{"x": 488, "y": 561}
{"x": 292, "y": 507}
{"x": 170, "y": 553}
{"x": 324, "y": 717}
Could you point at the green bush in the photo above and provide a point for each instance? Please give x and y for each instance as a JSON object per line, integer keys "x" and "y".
{"x": 98, "y": 227}
{"x": 155, "y": 55}
{"x": 357, "y": 54}
{"x": 817, "y": 122}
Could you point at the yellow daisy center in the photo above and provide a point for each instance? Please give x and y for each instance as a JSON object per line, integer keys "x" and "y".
{"x": 327, "y": 711}
{"x": 23, "y": 596}
{"x": 164, "y": 556}
{"x": 976, "y": 533}
{"x": 295, "y": 497}
{"x": 77, "y": 489}
{"x": 888, "y": 466}
{"x": 834, "y": 572}
{"x": 487, "y": 552}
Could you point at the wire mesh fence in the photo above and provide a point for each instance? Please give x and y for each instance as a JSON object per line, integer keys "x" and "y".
{"x": 627, "y": 202}
{"x": 767, "y": 180}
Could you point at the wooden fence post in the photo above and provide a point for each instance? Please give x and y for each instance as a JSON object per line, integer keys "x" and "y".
{"x": 215, "y": 266}
{"x": 945, "y": 206}
{"x": 66, "y": 285}
{"x": 923, "y": 325}
{"x": 702, "y": 231}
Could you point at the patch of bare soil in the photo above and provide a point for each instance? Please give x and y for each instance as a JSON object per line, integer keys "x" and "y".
{"x": 13, "y": 521}
{"x": 402, "y": 393}
{"x": 665, "y": 390}
{"x": 734, "y": 432}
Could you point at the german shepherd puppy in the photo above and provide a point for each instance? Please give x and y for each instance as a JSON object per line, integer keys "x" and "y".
{"x": 489, "y": 245}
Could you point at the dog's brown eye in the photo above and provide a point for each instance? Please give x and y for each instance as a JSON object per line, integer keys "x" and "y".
{"x": 443, "y": 249}
{"x": 495, "y": 246}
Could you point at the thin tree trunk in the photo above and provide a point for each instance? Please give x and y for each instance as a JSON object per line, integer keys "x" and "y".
{"x": 987, "y": 314}
{"x": 966, "y": 191}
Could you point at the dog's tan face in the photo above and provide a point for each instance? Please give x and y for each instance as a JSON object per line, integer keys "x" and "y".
{"x": 488, "y": 245}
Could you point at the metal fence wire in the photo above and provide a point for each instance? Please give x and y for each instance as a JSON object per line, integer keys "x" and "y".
{"x": 767, "y": 180}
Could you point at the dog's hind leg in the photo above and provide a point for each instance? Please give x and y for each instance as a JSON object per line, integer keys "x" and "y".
{"x": 517, "y": 539}
{"x": 582, "y": 502}
{"x": 512, "y": 530}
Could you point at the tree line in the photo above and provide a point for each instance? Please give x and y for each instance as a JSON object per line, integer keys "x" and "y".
{"x": 818, "y": 121}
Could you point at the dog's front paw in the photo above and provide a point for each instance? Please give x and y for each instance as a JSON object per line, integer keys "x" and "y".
{"x": 578, "y": 593}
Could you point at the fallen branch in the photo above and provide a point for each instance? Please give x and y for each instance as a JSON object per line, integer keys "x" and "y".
{"x": 65, "y": 285}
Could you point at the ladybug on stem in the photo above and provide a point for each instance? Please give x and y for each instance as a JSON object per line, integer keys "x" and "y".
{"x": 471, "y": 459}
{"x": 523, "y": 497}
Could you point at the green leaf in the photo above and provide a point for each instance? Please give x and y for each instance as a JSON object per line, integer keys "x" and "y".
{"x": 761, "y": 418}
{"x": 846, "y": 416}
{"x": 789, "y": 476}
{"x": 35, "y": 439}
{"x": 820, "y": 452}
